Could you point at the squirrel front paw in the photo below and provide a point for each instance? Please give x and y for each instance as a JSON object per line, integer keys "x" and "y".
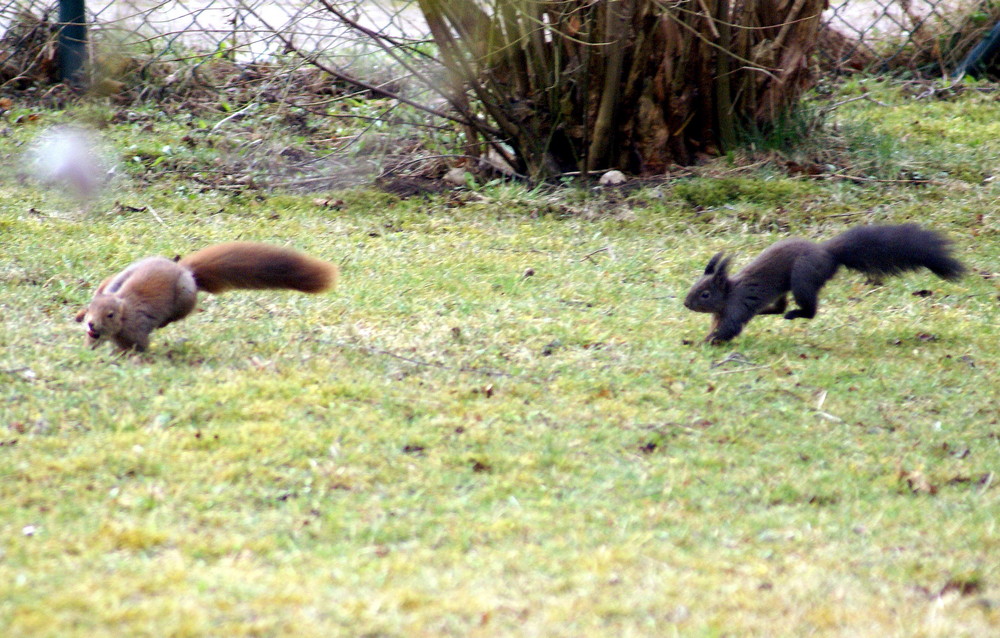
{"x": 799, "y": 313}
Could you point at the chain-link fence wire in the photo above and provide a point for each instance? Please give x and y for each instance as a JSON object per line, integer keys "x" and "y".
{"x": 235, "y": 57}
{"x": 921, "y": 36}
{"x": 244, "y": 31}
{"x": 242, "y": 54}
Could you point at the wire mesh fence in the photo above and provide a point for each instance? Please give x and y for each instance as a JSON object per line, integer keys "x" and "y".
{"x": 245, "y": 31}
{"x": 234, "y": 57}
{"x": 925, "y": 36}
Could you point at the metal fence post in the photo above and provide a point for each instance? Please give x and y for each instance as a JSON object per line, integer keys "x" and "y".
{"x": 72, "y": 45}
{"x": 980, "y": 57}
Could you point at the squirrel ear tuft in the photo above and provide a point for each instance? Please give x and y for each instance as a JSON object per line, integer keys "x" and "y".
{"x": 712, "y": 263}
{"x": 722, "y": 267}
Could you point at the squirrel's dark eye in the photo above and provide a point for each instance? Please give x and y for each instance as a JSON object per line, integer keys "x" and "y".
{"x": 705, "y": 294}
{"x": 111, "y": 315}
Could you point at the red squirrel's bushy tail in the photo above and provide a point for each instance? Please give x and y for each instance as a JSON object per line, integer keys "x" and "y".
{"x": 891, "y": 250}
{"x": 251, "y": 265}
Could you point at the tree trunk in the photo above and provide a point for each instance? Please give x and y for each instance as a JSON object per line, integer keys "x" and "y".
{"x": 637, "y": 85}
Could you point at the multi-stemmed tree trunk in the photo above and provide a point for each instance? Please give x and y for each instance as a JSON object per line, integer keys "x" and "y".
{"x": 638, "y": 85}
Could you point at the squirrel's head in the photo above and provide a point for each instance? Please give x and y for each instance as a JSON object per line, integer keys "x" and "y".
{"x": 102, "y": 318}
{"x": 711, "y": 292}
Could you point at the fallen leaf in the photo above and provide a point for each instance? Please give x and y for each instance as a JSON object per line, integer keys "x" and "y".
{"x": 963, "y": 586}
{"x": 917, "y": 482}
{"x": 479, "y": 466}
{"x": 323, "y": 202}
{"x": 981, "y": 480}
{"x": 550, "y": 347}
{"x": 486, "y": 390}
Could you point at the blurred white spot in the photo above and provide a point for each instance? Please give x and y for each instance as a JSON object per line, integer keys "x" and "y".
{"x": 69, "y": 158}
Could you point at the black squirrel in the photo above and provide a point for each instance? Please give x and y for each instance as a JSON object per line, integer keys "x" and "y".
{"x": 156, "y": 291}
{"x": 802, "y": 267}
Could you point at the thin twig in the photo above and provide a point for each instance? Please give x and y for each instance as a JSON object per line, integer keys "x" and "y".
{"x": 314, "y": 59}
{"x": 856, "y": 178}
{"x": 828, "y": 416}
{"x": 591, "y": 254}
{"x": 987, "y": 482}
{"x": 740, "y": 370}
{"x": 709, "y": 18}
{"x": 731, "y": 357}
{"x": 831, "y": 107}
{"x": 155, "y": 216}
{"x": 303, "y": 182}
{"x": 851, "y": 214}
{"x": 233, "y": 115}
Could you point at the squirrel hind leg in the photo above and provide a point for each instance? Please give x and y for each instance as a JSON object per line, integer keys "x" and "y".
{"x": 809, "y": 274}
{"x": 185, "y": 299}
{"x": 807, "y": 299}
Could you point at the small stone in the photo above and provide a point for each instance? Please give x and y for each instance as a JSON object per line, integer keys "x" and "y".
{"x": 456, "y": 176}
{"x": 612, "y": 178}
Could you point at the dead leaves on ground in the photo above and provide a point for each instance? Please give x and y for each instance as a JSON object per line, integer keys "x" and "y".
{"x": 918, "y": 482}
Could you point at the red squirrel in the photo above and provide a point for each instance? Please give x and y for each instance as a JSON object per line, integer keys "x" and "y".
{"x": 156, "y": 291}
{"x": 802, "y": 267}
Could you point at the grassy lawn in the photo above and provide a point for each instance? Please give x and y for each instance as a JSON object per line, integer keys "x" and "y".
{"x": 503, "y": 421}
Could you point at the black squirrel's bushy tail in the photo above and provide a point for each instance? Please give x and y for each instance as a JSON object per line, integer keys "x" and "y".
{"x": 891, "y": 250}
